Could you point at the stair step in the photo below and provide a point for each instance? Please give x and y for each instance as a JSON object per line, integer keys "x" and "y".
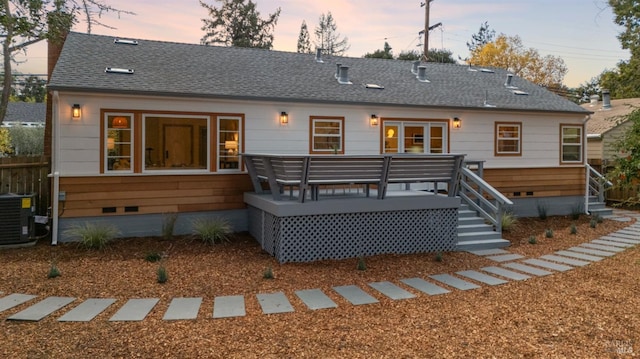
{"x": 465, "y": 213}
{"x": 470, "y": 220}
{"x": 478, "y": 235}
{"x": 482, "y": 244}
{"x": 482, "y": 227}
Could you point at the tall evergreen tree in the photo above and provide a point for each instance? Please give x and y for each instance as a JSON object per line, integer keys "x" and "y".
{"x": 381, "y": 54}
{"x": 328, "y": 38}
{"x": 238, "y": 23}
{"x": 481, "y": 38}
{"x": 304, "y": 42}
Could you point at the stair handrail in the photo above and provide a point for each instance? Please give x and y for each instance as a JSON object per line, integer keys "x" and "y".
{"x": 597, "y": 184}
{"x": 483, "y": 198}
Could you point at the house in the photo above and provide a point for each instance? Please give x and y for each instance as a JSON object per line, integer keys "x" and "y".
{"x": 142, "y": 128}
{"x": 608, "y": 123}
{"x": 27, "y": 114}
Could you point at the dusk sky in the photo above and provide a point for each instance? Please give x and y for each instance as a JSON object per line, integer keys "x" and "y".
{"x": 581, "y": 32}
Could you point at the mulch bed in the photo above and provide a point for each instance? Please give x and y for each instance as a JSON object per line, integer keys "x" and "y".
{"x": 586, "y": 312}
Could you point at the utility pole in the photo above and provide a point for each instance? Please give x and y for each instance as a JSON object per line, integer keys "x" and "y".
{"x": 425, "y": 53}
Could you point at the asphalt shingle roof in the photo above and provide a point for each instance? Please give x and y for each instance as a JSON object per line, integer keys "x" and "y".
{"x": 26, "y": 112}
{"x": 175, "y": 69}
{"x": 603, "y": 121}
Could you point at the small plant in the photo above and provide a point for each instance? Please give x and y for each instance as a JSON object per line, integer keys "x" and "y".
{"x": 593, "y": 223}
{"x": 508, "y": 221}
{"x": 548, "y": 233}
{"x": 162, "y": 274}
{"x": 93, "y": 236}
{"x": 576, "y": 211}
{"x": 542, "y": 210}
{"x": 212, "y": 230}
{"x": 268, "y": 273}
{"x": 532, "y": 240}
{"x": 168, "y": 224}
{"x": 362, "y": 265}
{"x": 573, "y": 229}
{"x": 598, "y": 218}
{"x": 153, "y": 257}
{"x": 438, "y": 256}
{"x": 53, "y": 270}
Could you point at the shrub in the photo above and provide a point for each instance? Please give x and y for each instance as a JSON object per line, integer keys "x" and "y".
{"x": 542, "y": 210}
{"x": 532, "y": 240}
{"x": 508, "y": 221}
{"x": 362, "y": 265}
{"x": 212, "y": 230}
{"x": 576, "y": 210}
{"x": 168, "y": 224}
{"x": 153, "y": 257}
{"x": 53, "y": 270}
{"x": 93, "y": 236}
{"x": 548, "y": 233}
{"x": 593, "y": 223}
{"x": 438, "y": 257}
{"x": 268, "y": 273}
{"x": 162, "y": 274}
{"x": 574, "y": 229}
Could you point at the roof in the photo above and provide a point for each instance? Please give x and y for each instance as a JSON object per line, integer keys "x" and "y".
{"x": 26, "y": 112}
{"x": 603, "y": 121}
{"x": 176, "y": 69}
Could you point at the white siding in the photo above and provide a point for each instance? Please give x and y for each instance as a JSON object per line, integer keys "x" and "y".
{"x": 80, "y": 140}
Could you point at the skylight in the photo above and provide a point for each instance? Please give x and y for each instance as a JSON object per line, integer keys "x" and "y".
{"x": 118, "y": 70}
{"x": 125, "y": 42}
{"x": 374, "y": 86}
{"x": 519, "y": 92}
{"x": 489, "y": 71}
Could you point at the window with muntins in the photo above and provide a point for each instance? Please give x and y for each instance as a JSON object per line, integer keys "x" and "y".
{"x": 508, "y": 139}
{"x": 415, "y": 137}
{"x": 119, "y": 142}
{"x": 571, "y": 144}
{"x": 327, "y": 135}
{"x": 229, "y": 143}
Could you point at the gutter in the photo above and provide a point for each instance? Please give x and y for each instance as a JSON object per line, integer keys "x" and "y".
{"x": 54, "y": 167}
{"x": 586, "y": 169}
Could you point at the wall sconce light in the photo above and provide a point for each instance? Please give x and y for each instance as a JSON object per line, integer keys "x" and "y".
{"x": 284, "y": 118}
{"x": 75, "y": 111}
{"x": 456, "y": 122}
{"x": 374, "y": 120}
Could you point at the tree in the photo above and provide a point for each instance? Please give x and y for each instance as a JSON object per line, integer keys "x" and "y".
{"x": 509, "y": 53}
{"x": 483, "y": 37}
{"x": 328, "y": 39}
{"x": 381, "y": 54}
{"x": 238, "y": 23}
{"x": 27, "y": 141}
{"x": 410, "y": 55}
{"x": 626, "y": 170}
{"x": 304, "y": 42}
{"x": 5, "y": 142}
{"x": 32, "y": 90}
{"x": 441, "y": 55}
{"x": 627, "y": 15}
{"x": 25, "y": 22}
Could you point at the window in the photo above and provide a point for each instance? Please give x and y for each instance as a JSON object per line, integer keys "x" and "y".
{"x": 118, "y": 142}
{"x": 229, "y": 143}
{"x": 175, "y": 143}
{"x": 415, "y": 136}
{"x": 508, "y": 139}
{"x": 327, "y": 135}
{"x": 571, "y": 144}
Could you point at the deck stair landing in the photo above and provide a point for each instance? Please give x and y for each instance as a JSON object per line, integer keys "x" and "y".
{"x": 474, "y": 233}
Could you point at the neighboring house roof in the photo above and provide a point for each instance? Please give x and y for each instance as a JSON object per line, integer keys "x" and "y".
{"x": 187, "y": 70}
{"x": 602, "y": 121}
{"x": 25, "y": 113}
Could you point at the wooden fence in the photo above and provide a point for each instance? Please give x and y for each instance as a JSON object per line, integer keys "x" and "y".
{"x": 24, "y": 175}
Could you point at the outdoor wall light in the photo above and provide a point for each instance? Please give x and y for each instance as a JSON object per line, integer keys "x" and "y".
{"x": 374, "y": 120}
{"x": 75, "y": 111}
{"x": 456, "y": 122}
{"x": 284, "y": 118}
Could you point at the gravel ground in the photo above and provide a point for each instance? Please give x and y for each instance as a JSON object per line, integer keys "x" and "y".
{"x": 588, "y": 312}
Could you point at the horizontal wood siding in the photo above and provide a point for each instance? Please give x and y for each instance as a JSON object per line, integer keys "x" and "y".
{"x": 87, "y": 196}
{"x": 542, "y": 182}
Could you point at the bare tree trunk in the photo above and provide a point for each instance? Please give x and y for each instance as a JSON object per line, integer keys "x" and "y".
{"x": 6, "y": 52}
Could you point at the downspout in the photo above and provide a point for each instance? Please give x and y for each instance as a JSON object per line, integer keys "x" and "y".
{"x": 586, "y": 169}
{"x": 55, "y": 118}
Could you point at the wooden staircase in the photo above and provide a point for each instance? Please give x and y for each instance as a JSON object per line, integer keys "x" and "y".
{"x": 474, "y": 233}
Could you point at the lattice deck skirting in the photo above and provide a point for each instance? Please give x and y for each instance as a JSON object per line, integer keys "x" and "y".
{"x": 296, "y": 236}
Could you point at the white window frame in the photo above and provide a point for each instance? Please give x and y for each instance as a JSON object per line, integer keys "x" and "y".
{"x": 426, "y": 144}
{"x": 499, "y": 138}
{"x": 132, "y": 144}
{"x": 340, "y": 135}
{"x": 220, "y": 144}
{"x": 580, "y": 144}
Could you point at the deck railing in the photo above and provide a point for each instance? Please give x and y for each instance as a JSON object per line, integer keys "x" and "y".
{"x": 597, "y": 184}
{"x": 483, "y": 198}
{"x": 309, "y": 172}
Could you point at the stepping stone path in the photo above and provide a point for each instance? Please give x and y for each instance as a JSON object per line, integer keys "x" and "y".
{"x": 510, "y": 267}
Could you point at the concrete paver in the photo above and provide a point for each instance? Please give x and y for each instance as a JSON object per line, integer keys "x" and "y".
{"x": 134, "y": 310}
{"x": 42, "y": 309}
{"x": 424, "y": 286}
{"x": 355, "y": 295}
{"x": 391, "y": 290}
{"x": 183, "y": 309}
{"x": 14, "y": 300}
{"x": 274, "y": 303}
{"x": 481, "y": 277}
{"x": 315, "y": 299}
{"x": 454, "y": 282}
{"x": 506, "y": 273}
{"x": 87, "y": 310}
{"x": 229, "y": 306}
